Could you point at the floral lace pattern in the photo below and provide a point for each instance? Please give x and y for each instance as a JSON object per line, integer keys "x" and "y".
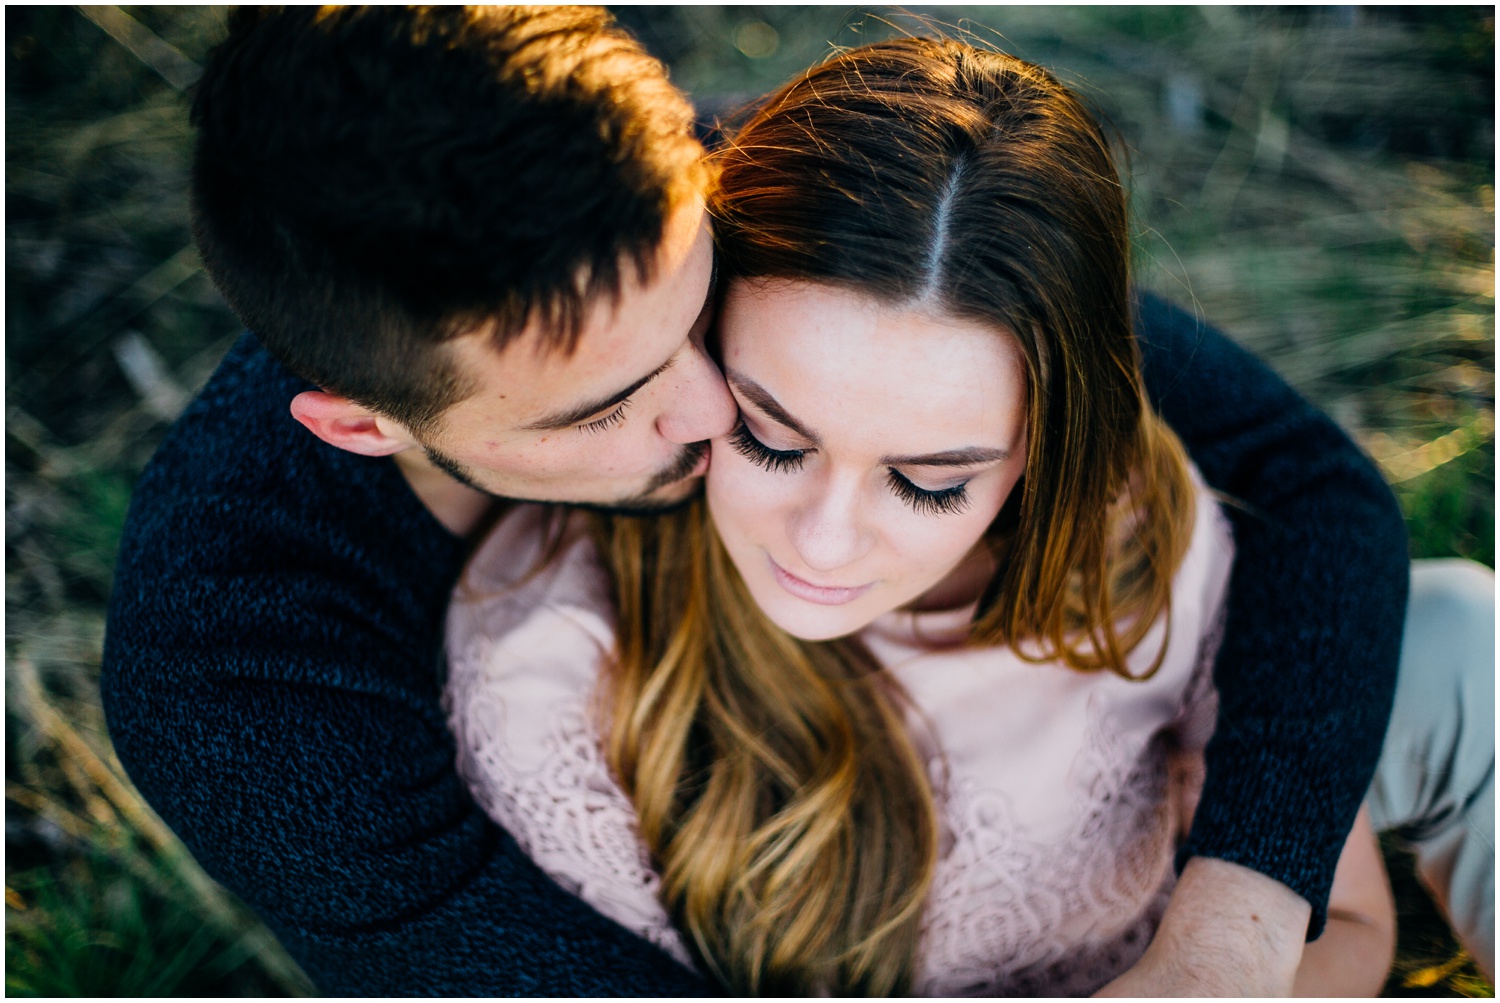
{"x": 1011, "y": 914}
{"x": 557, "y": 798}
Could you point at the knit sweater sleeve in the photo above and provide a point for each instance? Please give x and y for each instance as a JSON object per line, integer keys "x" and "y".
{"x": 272, "y": 685}
{"x": 1307, "y": 669}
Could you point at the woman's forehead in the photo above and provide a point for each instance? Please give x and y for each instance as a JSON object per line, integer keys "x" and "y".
{"x": 843, "y": 364}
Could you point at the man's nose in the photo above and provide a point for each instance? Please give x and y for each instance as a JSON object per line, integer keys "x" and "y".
{"x": 700, "y": 406}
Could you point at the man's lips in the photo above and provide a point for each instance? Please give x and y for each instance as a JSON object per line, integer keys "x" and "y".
{"x": 691, "y": 462}
{"x": 822, "y": 595}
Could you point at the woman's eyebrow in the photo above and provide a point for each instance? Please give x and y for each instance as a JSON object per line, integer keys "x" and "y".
{"x": 967, "y": 457}
{"x": 764, "y": 402}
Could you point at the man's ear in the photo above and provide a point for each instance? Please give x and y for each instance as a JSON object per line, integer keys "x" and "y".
{"x": 340, "y": 422}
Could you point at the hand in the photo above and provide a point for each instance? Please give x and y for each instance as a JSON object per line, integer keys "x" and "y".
{"x": 1227, "y": 931}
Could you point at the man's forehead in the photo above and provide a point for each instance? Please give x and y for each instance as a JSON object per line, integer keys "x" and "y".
{"x": 536, "y": 365}
{"x": 675, "y": 285}
{"x": 542, "y": 386}
{"x": 625, "y": 337}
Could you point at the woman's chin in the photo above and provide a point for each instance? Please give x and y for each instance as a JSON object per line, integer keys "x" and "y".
{"x": 822, "y": 635}
{"x": 810, "y": 622}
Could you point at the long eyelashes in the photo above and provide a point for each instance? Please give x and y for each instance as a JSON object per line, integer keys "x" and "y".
{"x": 944, "y": 502}
{"x": 757, "y": 452}
{"x": 608, "y": 421}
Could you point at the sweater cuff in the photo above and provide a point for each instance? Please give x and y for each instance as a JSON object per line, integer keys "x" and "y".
{"x": 1273, "y": 805}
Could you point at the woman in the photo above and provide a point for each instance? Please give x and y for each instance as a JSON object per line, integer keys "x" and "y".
{"x": 920, "y": 709}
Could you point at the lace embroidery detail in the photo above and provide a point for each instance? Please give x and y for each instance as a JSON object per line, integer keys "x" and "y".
{"x": 556, "y": 798}
{"x": 1017, "y": 912}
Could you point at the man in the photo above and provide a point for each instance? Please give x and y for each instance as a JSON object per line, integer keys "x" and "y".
{"x": 472, "y": 250}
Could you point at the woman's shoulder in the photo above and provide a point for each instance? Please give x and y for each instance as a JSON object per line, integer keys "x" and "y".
{"x": 1202, "y": 579}
{"x": 534, "y": 554}
{"x": 533, "y": 602}
{"x": 1191, "y": 625}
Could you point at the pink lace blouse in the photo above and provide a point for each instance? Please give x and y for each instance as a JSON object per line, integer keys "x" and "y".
{"x": 1060, "y": 794}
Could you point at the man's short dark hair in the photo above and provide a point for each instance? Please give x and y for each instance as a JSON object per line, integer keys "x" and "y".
{"x": 370, "y": 182}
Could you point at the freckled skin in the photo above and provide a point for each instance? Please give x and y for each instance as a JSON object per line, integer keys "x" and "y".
{"x": 871, "y": 383}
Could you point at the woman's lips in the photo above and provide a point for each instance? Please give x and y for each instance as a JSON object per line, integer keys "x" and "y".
{"x": 814, "y": 593}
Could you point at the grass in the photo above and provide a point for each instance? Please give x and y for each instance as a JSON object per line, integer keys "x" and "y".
{"x": 1318, "y": 181}
{"x": 132, "y": 939}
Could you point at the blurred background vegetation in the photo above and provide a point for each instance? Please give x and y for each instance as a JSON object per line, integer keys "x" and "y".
{"x": 1317, "y": 181}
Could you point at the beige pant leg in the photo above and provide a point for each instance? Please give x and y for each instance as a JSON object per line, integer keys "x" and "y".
{"x": 1435, "y": 784}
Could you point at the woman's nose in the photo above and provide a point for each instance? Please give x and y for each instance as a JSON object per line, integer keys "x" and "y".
{"x": 826, "y": 532}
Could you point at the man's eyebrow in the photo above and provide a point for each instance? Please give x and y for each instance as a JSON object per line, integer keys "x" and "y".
{"x": 764, "y": 402}
{"x": 573, "y": 415}
{"x": 966, "y": 457}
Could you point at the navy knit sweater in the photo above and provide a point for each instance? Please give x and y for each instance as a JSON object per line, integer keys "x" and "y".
{"x": 273, "y": 656}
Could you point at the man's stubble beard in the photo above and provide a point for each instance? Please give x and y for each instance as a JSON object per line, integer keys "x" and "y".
{"x": 642, "y": 503}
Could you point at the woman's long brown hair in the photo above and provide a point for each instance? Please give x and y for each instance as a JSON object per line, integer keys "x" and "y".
{"x": 776, "y": 784}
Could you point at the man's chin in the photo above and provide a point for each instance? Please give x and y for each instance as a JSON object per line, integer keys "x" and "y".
{"x": 669, "y": 489}
{"x": 666, "y": 499}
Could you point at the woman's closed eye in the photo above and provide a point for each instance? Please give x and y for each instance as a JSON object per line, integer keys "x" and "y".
{"x": 757, "y": 452}
{"x": 942, "y": 502}
{"x": 946, "y": 501}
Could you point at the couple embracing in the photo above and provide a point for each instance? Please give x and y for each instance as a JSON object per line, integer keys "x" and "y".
{"x": 891, "y": 635}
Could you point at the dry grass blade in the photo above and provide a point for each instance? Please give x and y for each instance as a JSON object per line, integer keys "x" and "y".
{"x": 149, "y": 376}
{"x": 143, "y": 43}
{"x": 105, "y": 322}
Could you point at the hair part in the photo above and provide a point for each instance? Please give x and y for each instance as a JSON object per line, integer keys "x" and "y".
{"x": 370, "y": 183}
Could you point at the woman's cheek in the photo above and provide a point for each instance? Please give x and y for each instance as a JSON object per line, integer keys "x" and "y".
{"x": 936, "y": 541}
{"x": 948, "y": 538}
{"x": 741, "y": 495}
